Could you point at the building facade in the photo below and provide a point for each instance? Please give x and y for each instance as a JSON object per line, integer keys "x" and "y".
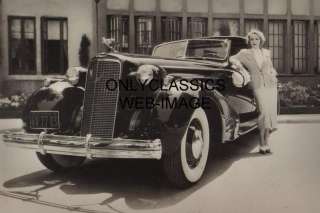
{"x": 41, "y": 38}
{"x": 51, "y": 31}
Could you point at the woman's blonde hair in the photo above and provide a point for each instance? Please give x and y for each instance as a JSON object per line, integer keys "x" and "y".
{"x": 259, "y": 34}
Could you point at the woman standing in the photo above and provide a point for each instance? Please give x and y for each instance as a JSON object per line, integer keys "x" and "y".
{"x": 258, "y": 62}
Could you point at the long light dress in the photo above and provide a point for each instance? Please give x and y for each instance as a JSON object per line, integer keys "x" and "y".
{"x": 264, "y": 85}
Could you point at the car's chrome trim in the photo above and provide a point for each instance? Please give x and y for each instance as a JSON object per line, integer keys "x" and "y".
{"x": 90, "y": 147}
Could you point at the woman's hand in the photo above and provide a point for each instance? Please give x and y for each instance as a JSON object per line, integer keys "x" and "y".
{"x": 274, "y": 72}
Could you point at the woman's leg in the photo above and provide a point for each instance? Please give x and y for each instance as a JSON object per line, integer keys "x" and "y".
{"x": 262, "y": 137}
{"x": 264, "y": 132}
{"x": 266, "y": 138}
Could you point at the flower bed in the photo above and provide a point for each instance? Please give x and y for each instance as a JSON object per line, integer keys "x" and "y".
{"x": 11, "y": 106}
{"x": 296, "y": 98}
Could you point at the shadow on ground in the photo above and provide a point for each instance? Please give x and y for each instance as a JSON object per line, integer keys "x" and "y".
{"x": 139, "y": 182}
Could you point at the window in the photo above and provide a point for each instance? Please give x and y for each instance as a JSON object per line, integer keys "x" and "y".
{"x": 197, "y": 27}
{"x": 299, "y": 46}
{"x": 118, "y": 29}
{"x": 175, "y": 49}
{"x": 171, "y": 28}
{"x": 317, "y": 45}
{"x": 250, "y": 24}
{"x": 144, "y": 34}
{"x": 226, "y": 27}
{"x": 54, "y": 40}
{"x": 22, "y": 45}
{"x": 277, "y": 33}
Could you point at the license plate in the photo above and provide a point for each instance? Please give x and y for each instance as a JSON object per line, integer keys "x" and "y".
{"x": 44, "y": 120}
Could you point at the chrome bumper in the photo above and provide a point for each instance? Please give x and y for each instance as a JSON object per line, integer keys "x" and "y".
{"x": 90, "y": 147}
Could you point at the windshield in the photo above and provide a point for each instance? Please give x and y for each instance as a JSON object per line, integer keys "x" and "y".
{"x": 195, "y": 48}
{"x": 215, "y": 49}
{"x": 171, "y": 50}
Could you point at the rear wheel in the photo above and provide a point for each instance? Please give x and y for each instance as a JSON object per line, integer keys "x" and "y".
{"x": 186, "y": 166}
{"x": 59, "y": 163}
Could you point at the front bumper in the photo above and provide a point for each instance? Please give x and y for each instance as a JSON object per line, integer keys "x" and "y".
{"x": 90, "y": 147}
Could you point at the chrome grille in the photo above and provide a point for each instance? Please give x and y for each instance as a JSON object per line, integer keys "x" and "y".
{"x": 100, "y": 104}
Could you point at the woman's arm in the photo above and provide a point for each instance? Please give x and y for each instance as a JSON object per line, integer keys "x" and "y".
{"x": 268, "y": 55}
{"x": 236, "y": 60}
{"x": 241, "y": 77}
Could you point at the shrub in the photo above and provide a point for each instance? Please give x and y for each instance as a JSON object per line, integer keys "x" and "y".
{"x": 84, "y": 52}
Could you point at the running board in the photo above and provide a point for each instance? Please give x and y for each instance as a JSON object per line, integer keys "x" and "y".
{"x": 248, "y": 126}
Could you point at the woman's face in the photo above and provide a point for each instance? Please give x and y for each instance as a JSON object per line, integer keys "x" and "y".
{"x": 254, "y": 41}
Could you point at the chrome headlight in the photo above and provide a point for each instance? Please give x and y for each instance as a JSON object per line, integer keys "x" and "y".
{"x": 146, "y": 73}
{"x": 240, "y": 78}
{"x": 73, "y": 74}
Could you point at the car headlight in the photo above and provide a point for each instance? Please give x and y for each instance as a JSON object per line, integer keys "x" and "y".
{"x": 240, "y": 78}
{"x": 73, "y": 74}
{"x": 147, "y": 72}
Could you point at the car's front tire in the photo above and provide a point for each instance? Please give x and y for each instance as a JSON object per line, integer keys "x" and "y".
{"x": 186, "y": 166}
{"x": 60, "y": 163}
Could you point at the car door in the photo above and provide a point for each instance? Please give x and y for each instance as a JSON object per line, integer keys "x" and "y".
{"x": 240, "y": 99}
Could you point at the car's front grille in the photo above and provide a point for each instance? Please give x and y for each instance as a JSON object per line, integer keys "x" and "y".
{"x": 100, "y": 104}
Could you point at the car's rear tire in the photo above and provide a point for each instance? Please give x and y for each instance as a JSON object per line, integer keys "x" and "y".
{"x": 60, "y": 163}
{"x": 186, "y": 166}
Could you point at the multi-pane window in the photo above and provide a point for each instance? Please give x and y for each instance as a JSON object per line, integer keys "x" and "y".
{"x": 22, "y": 45}
{"x": 171, "y": 28}
{"x": 197, "y": 27}
{"x": 299, "y": 34}
{"x": 250, "y": 24}
{"x": 54, "y": 43}
{"x": 145, "y": 37}
{"x": 317, "y": 45}
{"x": 226, "y": 27}
{"x": 118, "y": 29}
{"x": 277, "y": 33}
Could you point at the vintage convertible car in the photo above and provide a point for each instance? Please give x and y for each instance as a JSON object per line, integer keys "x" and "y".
{"x": 174, "y": 106}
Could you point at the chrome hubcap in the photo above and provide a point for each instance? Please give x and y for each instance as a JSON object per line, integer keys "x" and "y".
{"x": 197, "y": 143}
{"x": 194, "y": 144}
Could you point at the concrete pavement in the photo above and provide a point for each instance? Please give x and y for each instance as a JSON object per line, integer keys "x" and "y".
{"x": 237, "y": 179}
{"x": 297, "y": 118}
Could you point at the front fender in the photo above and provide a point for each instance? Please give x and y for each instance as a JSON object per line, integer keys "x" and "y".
{"x": 60, "y": 96}
{"x": 173, "y": 121}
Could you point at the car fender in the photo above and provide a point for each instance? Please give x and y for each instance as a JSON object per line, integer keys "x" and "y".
{"x": 173, "y": 122}
{"x": 59, "y": 96}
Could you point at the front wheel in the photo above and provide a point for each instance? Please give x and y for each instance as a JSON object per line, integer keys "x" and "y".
{"x": 59, "y": 163}
{"x": 186, "y": 166}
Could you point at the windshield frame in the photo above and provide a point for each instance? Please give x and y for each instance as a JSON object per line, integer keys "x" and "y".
{"x": 172, "y": 42}
{"x": 228, "y": 42}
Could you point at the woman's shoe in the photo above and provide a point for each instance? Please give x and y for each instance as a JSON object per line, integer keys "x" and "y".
{"x": 262, "y": 150}
{"x": 267, "y": 149}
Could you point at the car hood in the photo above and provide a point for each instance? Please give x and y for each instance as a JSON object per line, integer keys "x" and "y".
{"x": 169, "y": 64}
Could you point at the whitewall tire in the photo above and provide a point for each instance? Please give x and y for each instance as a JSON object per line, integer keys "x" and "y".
{"x": 186, "y": 166}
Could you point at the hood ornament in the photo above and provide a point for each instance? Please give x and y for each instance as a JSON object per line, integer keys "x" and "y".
{"x": 110, "y": 43}
{"x": 90, "y": 72}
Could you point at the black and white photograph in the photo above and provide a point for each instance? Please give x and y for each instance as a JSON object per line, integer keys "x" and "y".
{"x": 163, "y": 106}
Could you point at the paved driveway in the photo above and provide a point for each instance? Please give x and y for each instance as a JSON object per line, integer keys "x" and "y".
{"x": 238, "y": 179}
